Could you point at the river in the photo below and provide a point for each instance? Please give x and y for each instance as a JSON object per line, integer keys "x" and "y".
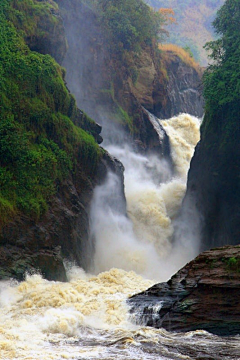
{"x": 87, "y": 317}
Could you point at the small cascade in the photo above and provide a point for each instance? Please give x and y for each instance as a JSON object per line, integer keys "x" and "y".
{"x": 157, "y": 126}
{"x": 183, "y": 133}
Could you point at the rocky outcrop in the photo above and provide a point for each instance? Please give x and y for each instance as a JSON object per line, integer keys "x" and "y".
{"x": 213, "y": 186}
{"x": 113, "y": 90}
{"x": 44, "y": 210}
{"x": 202, "y": 295}
{"x": 157, "y": 140}
{"x": 61, "y": 234}
{"x": 183, "y": 90}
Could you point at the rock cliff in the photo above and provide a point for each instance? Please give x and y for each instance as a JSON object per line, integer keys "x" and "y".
{"x": 49, "y": 158}
{"x": 62, "y": 233}
{"x": 50, "y": 161}
{"x": 213, "y": 186}
{"x": 213, "y": 181}
{"x": 114, "y": 90}
{"x": 183, "y": 89}
{"x": 202, "y": 295}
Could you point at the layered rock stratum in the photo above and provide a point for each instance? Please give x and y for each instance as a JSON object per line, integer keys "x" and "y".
{"x": 203, "y": 295}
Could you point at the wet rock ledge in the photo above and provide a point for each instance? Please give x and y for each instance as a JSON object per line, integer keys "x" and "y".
{"x": 204, "y": 294}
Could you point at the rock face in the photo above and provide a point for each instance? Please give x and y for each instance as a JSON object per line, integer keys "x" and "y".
{"x": 202, "y": 295}
{"x": 183, "y": 92}
{"x": 42, "y": 241}
{"x": 42, "y": 27}
{"x": 114, "y": 93}
{"x": 61, "y": 234}
{"x": 213, "y": 186}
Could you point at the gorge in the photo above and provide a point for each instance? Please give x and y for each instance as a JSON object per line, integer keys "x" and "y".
{"x": 109, "y": 218}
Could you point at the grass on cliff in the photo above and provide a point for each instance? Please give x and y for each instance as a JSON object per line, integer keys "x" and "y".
{"x": 25, "y": 15}
{"x": 120, "y": 115}
{"x": 182, "y": 54}
{"x": 39, "y": 144}
{"x": 193, "y": 23}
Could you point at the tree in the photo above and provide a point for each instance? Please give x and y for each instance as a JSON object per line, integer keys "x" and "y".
{"x": 130, "y": 23}
{"x": 222, "y": 78}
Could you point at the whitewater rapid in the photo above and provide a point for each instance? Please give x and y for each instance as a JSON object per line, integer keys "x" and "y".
{"x": 38, "y": 314}
{"x": 87, "y": 317}
{"x": 143, "y": 241}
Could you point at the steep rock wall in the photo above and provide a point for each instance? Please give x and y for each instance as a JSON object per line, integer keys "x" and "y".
{"x": 113, "y": 90}
{"x": 50, "y": 161}
{"x": 213, "y": 183}
{"x": 62, "y": 233}
{"x": 183, "y": 89}
{"x": 213, "y": 186}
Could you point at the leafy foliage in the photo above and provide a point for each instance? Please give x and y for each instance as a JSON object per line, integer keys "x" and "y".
{"x": 222, "y": 78}
{"x": 131, "y": 23}
{"x": 220, "y": 129}
{"x": 39, "y": 144}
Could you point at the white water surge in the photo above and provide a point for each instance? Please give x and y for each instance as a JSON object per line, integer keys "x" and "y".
{"x": 143, "y": 242}
{"x": 87, "y": 317}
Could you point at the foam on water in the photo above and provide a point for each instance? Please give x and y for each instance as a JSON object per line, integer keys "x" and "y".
{"x": 154, "y": 197}
{"x": 87, "y": 317}
{"x": 41, "y": 312}
{"x": 183, "y": 132}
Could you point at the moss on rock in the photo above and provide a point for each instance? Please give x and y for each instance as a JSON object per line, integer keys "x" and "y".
{"x": 39, "y": 144}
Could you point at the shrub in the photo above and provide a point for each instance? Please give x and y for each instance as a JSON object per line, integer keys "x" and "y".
{"x": 39, "y": 144}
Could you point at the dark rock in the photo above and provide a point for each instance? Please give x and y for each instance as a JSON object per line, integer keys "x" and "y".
{"x": 202, "y": 295}
{"x": 62, "y": 233}
{"x": 213, "y": 186}
{"x": 16, "y": 262}
{"x": 157, "y": 140}
{"x": 183, "y": 88}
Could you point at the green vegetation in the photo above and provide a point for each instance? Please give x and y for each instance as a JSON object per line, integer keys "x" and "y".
{"x": 39, "y": 144}
{"x": 40, "y": 25}
{"x": 222, "y": 78}
{"x": 27, "y": 14}
{"x": 232, "y": 264}
{"x": 131, "y": 23}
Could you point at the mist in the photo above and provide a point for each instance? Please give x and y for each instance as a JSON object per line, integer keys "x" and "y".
{"x": 150, "y": 240}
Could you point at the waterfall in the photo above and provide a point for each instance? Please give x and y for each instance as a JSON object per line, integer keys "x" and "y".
{"x": 88, "y": 316}
{"x": 143, "y": 241}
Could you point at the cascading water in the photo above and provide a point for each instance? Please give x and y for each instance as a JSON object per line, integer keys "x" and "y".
{"x": 143, "y": 241}
{"x": 87, "y": 317}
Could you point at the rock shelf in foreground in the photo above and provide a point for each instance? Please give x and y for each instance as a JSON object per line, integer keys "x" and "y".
{"x": 204, "y": 294}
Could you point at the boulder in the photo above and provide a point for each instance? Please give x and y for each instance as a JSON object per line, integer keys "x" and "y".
{"x": 204, "y": 294}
